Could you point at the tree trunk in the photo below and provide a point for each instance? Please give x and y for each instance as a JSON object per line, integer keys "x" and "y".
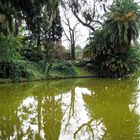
{"x": 73, "y": 45}
{"x": 38, "y": 43}
{"x": 49, "y": 67}
{"x": 72, "y": 51}
{"x": 16, "y": 28}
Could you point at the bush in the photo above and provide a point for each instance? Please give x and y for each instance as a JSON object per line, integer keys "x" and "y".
{"x": 119, "y": 65}
{"x": 64, "y": 67}
{"x": 60, "y": 68}
{"x": 14, "y": 70}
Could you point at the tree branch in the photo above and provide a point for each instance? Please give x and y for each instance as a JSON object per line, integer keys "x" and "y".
{"x": 85, "y": 24}
{"x": 66, "y": 36}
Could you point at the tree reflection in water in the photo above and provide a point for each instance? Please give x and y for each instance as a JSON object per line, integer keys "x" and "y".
{"x": 111, "y": 103}
{"x": 64, "y": 110}
{"x": 81, "y": 124}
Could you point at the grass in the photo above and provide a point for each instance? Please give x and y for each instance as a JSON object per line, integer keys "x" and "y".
{"x": 81, "y": 71}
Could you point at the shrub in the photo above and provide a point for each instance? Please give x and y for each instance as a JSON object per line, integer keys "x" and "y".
{"x": 14, "y": 70}
{"x": 11, "y": 65}
{"x": 62, "y": 67}
{"x": 119, "y": 65}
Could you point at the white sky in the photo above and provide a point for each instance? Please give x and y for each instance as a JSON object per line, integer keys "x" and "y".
{"x": 83, "y": 32}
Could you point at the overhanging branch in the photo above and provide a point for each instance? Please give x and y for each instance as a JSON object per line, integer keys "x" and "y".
{"x": 85, "y": 24}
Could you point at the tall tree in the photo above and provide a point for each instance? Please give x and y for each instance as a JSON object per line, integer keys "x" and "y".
{"x": 29, "y": 10}
{"x": 71, "y": 34}
{"x": 122, "y": 24}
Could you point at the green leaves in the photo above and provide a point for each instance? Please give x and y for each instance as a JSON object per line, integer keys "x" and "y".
{"x": 122, "y": 23}
{"x": 118, "y": 66}
{"x": 9, "y": 47}
{"x": 30, "y": 11}
{"x": 112, "y": 52}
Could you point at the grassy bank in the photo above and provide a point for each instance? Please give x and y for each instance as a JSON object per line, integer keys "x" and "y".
{"x": 60, "y": 69}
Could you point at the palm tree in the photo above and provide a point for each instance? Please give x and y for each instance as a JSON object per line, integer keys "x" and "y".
{"x": 122, "y": 24}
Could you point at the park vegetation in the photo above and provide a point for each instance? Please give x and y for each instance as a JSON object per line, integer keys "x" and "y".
{"x": 113, "y": 47}
{"x": 31, "y": 46}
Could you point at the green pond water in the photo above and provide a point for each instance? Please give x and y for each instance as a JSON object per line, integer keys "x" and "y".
{"x": 78, "y": 109}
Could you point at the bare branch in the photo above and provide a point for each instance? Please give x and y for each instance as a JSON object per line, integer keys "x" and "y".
{"x": 74, "y": 28}
{"x": 66, "y": 36}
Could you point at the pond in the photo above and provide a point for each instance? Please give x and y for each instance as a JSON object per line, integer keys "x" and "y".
{"x": 77, "y": 109}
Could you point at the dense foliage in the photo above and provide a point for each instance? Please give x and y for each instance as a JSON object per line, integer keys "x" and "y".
{"x": 31, "y": 31}
{"x": 29, "y": 10}
{"x": 64, "y": 67}
{"x": 110, "y": 47}
{"x": 122, "y": 24}
{"x": 11, "y": 65}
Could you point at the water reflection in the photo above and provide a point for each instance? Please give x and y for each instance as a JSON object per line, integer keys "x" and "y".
{"x": 112, "y": 106}
{"x": 88, "y": 109}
